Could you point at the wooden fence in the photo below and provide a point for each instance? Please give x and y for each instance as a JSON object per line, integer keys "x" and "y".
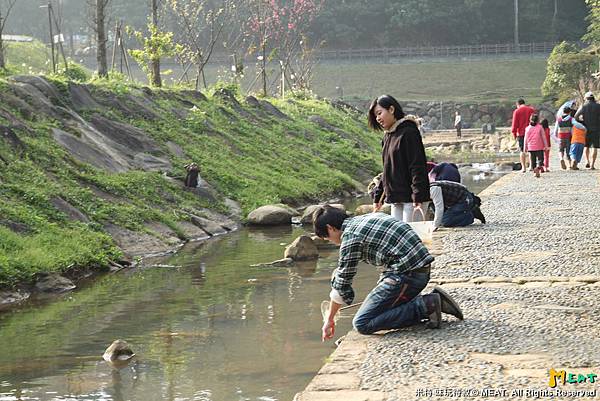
{"x": 438, "y": 51}
{"x": 390, "y": 54}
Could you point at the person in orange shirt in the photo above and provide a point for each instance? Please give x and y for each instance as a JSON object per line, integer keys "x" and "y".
{"x": 578, "y": 134}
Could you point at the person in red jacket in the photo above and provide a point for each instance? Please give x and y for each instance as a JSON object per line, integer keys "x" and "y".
{"x": 520, "y": 121}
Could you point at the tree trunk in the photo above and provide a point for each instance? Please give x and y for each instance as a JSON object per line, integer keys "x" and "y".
{"x": 2, "y": 61}
{"x": 555, "y": 33}
{"x": 264, "y": 68}
{"x": 101, "y": 38}
{"x": 155, "y": 62}
{"x": 517, "y": 25}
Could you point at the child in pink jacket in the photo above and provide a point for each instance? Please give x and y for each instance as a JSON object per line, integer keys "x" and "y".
{"x": 535, "y": 143}
{"x": 546, "y": 127}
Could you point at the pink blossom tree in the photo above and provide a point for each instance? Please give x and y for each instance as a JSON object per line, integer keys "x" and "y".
{"x": 277, "y": 29}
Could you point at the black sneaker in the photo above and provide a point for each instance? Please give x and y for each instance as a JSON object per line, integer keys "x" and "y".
{"x": 448, "y": 305}
{"x": 433, "y": 303}
{"x": 478, "y": 215}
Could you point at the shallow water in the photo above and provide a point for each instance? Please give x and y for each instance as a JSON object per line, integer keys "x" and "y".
{"x": 212, "y": 328}
{"x": 209, "y": 327}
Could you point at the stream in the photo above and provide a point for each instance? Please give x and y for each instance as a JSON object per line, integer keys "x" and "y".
{"x": 203, "y": 323}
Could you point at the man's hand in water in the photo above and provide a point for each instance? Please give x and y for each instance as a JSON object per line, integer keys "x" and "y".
{"x": 328, "y": 330}
{"x": 329, "y": 326}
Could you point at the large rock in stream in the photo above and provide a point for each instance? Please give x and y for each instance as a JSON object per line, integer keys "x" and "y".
{"x": 270, "y": 215}
{"x": 303, "y": 248}
{"x": 308, "y": 212}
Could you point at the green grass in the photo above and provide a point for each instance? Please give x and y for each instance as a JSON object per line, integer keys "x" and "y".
{"x": 34, "y": 58}
{"x": 28, "y": 57}
{"x": 249, "y": 156}
{"x": 455, "y": 80}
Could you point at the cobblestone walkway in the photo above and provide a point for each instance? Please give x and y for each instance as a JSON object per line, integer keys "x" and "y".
{"x": 529, "y": 285}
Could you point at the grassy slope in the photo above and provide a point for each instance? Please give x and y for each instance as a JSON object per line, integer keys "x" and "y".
{"x": 452, "y": 80}
{"x": 254, "y": 161}
{"x": 28, "y": 57}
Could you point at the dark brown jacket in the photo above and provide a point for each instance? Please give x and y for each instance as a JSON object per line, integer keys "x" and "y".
{"x": 404, "y": 165}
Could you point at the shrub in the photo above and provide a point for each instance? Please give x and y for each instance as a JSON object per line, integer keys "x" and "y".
{"x": 567, "y": 67}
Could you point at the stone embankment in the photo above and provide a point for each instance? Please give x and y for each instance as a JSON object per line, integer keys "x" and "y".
{"x": 528, "y": 283}
{"x": 440, "y": 115}
{"x": 471, "y": 142}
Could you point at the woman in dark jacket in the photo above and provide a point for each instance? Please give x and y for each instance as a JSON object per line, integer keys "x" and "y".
{"x": 404, "y": 181}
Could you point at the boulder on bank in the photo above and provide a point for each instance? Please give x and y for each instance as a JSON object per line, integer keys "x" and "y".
{"x": 9, "y": 298}
{"x": 308, "y": 212}
{"x": 303, "y": 248}
{"x": 293, "y": 211}
{"x": 364, "y": 209}
{"x": 54, "y": 283}
{"x": 270, "y": 215}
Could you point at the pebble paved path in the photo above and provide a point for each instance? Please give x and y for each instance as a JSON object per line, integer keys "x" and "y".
{"x": 529, "y": 285}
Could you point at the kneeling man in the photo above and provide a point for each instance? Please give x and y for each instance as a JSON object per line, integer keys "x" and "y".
{"x": 381, "y": 240}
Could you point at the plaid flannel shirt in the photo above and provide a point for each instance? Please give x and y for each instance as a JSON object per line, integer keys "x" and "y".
{"x": 377, "y": 239}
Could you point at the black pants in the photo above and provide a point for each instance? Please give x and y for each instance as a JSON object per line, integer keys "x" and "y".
{"x": 536, "y": 154}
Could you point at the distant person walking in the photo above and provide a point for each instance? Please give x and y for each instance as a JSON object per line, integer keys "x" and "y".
{"x": 578, "y": 138}
{"x": 520, "y": 121}
{"x": 404, "y": 182}
{"x": 458, "y": 124}
{"x": 535, "y": 143}
{"x": 565, "y": 127}
{"x": 589, "y": 113}
{"x": 546, "y": 127}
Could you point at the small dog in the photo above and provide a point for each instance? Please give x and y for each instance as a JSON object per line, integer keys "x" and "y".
{"x": 191, "y": 179}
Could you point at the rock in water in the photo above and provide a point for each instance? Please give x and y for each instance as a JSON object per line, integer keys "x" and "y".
{"x": 303, "y": 248}
{"x": 119, "y": 350}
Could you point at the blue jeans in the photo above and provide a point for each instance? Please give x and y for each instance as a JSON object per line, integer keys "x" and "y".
{"x": 459, "y": 215}
{"x": 393, "y": 303}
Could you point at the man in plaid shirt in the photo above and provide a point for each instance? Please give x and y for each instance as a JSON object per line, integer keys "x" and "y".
{"x": 381, "y": 240}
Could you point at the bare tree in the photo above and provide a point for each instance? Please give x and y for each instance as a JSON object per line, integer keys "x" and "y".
{"x": 202, "y": 27}
{"x": 5, "y": 8}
